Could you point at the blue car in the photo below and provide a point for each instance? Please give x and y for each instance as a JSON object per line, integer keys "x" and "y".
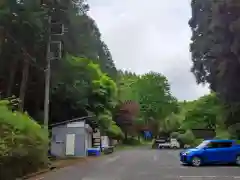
{"x": 212, "y": 152}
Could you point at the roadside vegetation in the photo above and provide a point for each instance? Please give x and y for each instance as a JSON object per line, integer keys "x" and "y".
{"x": 23, "y": 143}
{"x": 85, "y": 81}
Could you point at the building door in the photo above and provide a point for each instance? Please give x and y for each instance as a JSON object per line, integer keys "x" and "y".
{"x": 70, "y": 144}
{"x": 80, "y": 147}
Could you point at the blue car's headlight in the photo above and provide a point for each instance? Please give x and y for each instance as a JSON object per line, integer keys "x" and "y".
{"x": 185, "y": 153}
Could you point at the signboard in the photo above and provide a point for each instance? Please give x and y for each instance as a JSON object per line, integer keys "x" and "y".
{"x": 147, "y": 134}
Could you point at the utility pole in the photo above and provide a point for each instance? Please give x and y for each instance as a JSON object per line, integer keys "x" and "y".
{"x": 47, "y": 73}
{"x": 57, "y": 29}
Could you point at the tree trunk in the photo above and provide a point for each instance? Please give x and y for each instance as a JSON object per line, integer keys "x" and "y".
{"x": 12, "y": 77}
{"x": 39, "y": 99}
{"x": 23, "y": 87}
{"x": 125, "y": 135}
{"x": 2, "y": 38}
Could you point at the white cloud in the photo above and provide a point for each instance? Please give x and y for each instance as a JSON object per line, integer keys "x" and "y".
{"x": 150, "y": 36}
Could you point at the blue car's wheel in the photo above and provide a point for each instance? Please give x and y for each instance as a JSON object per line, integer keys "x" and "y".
{"x": 196, "y": 161}
{"x": 238, "y": 160}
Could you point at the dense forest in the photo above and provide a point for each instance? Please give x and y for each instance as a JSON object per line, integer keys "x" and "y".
{"x": 85, "y": 80}
{"x": 85, "y": 68}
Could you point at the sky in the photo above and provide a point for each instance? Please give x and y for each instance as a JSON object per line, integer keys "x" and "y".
{"x": 148, "y": 36}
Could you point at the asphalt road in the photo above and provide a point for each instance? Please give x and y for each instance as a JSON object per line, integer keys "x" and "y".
{"x": 142, "y": 164}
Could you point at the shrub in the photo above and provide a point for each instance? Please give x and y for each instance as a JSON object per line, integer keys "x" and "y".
{"x": 23, "y": 144}
{"x": 175, "y": 135}
{"x": 187, "y": 138}
{"x": 222, "y": 134}
{"x": 196, "y": 142}
{"x": 233, "y": 131}
{"x": 115, "y": 132}
{"x": 132, "y": 141}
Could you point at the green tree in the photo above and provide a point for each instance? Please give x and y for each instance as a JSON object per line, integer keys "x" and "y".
{"x": 171, "y": 123}
{"x": 23, "y": 40}
{"x": 80, "y": 88}
{"x": 204, "y": 113}
{"x": 152, "y": 92}
{"x": 215, "y": 50}
{"x": 82, "y": 81}
{"x": 155, "y": 98}
{"x": 127, "y": 86}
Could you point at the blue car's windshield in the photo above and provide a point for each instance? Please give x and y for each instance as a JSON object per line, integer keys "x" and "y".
{"x": 202, "y": 145}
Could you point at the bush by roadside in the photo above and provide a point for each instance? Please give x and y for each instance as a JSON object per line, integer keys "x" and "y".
{"x": 132, "y": 141}
{"x": 23, "y": 144}
{"x": 186, "y": 139}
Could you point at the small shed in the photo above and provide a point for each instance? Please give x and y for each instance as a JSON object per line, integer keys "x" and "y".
{"x": 72, "y": 137}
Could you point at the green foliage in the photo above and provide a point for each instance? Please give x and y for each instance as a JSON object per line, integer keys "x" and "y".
{"x": 196, "y": 142}
{"x": 23, "y": 144}
{"x": 175, "y": 135}
{"x": 207, "y": 112}
{"x": 154, "y": 96}
{"x": 127, "y": 86}
{"x": 234, "y": 131}
{"x": 115, "y": 131}
{"x": 170, "y": 123}
{"x": 215, "y": 51}
{"x": 23, "y": 40}
{"x": 108, "y": 126}
{"x": 152, "y": 92}
{"x": 139, "y": 122}
{"x": 105, "y": 120}
{"x": 222, "y": 134}
{"x": 186, "y": 138}
{"x": 82, "y": 83}
{"x": 204, "y": 113}
{"x": 132, "y": 141}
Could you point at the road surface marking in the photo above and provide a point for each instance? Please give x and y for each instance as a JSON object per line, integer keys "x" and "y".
{"x": 211, "y": 176}
{"x": 201, "y": 177}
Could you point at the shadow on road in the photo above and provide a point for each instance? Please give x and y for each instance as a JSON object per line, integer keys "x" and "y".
{"x": 213, "y": 165}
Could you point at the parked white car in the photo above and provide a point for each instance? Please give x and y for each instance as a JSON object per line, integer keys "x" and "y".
{"x": 173, "y": 144}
